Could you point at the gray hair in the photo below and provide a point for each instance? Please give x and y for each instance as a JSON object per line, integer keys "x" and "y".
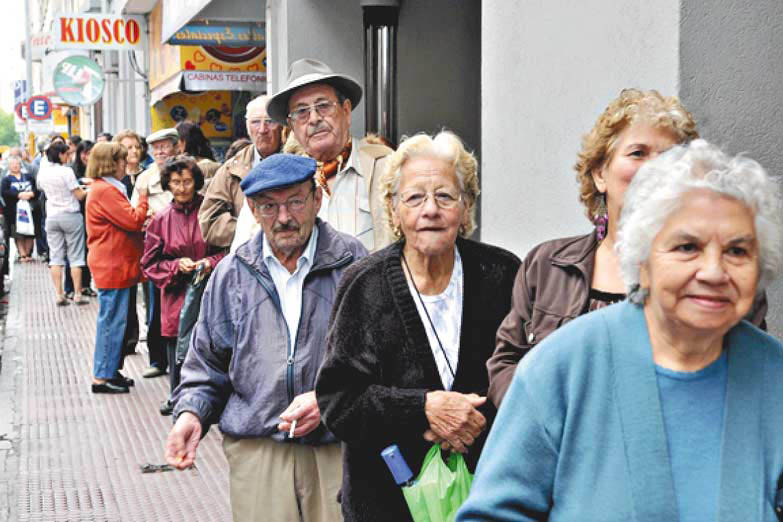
{"x": 657, "y": 191}
{"x": 446, "y": 146}
{"x": 259, "y": 102}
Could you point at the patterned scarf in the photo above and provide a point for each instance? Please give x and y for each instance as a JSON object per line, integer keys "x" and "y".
{"x": 327, "y": 169}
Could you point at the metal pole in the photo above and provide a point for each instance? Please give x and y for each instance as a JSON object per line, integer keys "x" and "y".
{"x": 29, "y": 59}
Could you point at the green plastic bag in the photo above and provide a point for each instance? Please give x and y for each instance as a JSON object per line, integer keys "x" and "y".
{"x": 440, "y": 488}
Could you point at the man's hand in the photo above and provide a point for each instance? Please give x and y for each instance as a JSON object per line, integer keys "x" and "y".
{"x": 455, "y": 423}
{"x": 183, "y": 440}
{"x": 26, "y": 195}
{"x": 304, "y": 410}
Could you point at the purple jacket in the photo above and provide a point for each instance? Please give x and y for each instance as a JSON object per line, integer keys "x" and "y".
{"x": 172, "y": 234}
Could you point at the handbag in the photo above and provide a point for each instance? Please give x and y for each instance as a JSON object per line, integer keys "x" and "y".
{"x": 189, "y": 313}
{"x": 24, "y": 218}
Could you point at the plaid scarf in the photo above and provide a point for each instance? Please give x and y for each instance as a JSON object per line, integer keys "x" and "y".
{"x": 328, "y": 169}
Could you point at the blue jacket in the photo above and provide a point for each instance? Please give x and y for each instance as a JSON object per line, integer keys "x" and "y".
{"x": 580, "y": 435}
{"x": 236, "y": 370}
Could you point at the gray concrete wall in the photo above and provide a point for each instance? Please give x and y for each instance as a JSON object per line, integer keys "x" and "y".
{"x": 439, "y": 68}
{"x": 549, "y": 68}
{"x": 731, "y": 70}
{"x": 331, "y": 31}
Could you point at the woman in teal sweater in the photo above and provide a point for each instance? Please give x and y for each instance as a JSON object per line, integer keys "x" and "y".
{"x": 664, "y": 406}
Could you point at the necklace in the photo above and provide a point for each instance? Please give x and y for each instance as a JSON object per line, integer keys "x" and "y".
{"x": 427, "y": 313}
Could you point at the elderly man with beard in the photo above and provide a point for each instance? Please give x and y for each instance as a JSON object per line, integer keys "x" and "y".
{"x": 256, "y": 349}
{"x": 317, "y": 105}
{"x": 223, "y": 198}
{"x": 163, "y": 145}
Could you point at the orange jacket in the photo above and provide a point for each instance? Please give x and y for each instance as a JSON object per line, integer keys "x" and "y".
{"x": 114, "y": 236}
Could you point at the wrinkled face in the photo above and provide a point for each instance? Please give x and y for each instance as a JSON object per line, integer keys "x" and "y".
{"x": 287, "y": 230}
{"x": 162, "y": 150}
{"x": 14, "y": 165}
{"x": 428, "y": 228}
{"x": 182, "y": 186}
{"x": 263, "y": 132}
{"x": 134, "y": 150}
{"x": 322, "y": 136}
{"x": 635, "y": 145}
{"x": 703, "y": 267}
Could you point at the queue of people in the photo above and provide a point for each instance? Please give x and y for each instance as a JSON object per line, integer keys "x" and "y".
{"x": 617, "y": 375}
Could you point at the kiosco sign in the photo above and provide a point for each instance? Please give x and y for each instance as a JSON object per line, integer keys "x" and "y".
{"x": 96, "y": 31}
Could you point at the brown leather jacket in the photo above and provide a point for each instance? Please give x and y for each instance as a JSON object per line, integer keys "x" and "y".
{"x": 223, "y": 200}
{"x": 551, "y": 288}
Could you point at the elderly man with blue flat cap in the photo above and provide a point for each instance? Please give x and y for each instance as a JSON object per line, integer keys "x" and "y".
{"x": 257, "y": 347}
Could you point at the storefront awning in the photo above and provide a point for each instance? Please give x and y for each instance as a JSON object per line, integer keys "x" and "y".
{"x": 178, "y": 13}
{"x": 210, "y": 81}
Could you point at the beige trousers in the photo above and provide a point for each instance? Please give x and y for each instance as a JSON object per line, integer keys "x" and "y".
{"x": 281, "y": 482}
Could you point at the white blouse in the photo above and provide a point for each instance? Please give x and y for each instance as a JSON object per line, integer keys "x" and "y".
{"x": 445, "y": 310}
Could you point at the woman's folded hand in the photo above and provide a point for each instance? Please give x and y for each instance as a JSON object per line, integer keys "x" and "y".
{"x": 454, "y": 419}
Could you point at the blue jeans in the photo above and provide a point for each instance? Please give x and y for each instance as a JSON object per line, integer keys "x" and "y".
{"x": 112, "y": 318}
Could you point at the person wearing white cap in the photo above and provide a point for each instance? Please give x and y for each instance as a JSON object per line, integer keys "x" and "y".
{"x": 317, "y": 105}
{"x": 163, "y": 145}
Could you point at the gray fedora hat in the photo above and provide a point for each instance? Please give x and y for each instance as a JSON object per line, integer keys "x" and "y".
{"x": 306, "y": 72}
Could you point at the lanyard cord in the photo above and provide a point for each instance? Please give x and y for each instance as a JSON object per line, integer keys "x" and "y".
{"x": 435, "y": 331}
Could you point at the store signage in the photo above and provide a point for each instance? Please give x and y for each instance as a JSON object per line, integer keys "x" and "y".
{"x": 39, "y": 108}
{"x": 78, "y": 80}
{"x": 97, "y": 31}
{"x": 224, "y": 81}
{"x": 236, "y": 34}
{"x": 39, "y": 44}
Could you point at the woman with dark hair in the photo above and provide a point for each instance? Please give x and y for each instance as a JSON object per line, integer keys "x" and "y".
{"x": 79, "y": 166}
{"x": 64, "y": 222}
{"x": 193, "y": 143}
{"x": 173, "y": 249}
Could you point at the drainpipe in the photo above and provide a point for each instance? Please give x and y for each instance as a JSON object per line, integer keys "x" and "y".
{"x": 380, "y": 66}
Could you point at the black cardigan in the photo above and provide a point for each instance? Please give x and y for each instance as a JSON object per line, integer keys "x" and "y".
{"x": 379, "y": 366}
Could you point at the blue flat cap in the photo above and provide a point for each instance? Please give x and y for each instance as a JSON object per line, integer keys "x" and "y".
{"x": 277, "y": 171}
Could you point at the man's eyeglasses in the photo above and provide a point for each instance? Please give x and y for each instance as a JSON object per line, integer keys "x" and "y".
{"x": 293, "y": 205}
{"x": 325, "y": 109}
{"x": 262, "y": 122}
{"x": 415, "y": 198}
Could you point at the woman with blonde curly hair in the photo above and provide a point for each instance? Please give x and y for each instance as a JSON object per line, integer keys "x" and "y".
{"x": 413, "y": 326}
{"x": 565, "y": 278}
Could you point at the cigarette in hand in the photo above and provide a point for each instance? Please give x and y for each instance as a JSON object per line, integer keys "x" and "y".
{"x": 291, "y": 431}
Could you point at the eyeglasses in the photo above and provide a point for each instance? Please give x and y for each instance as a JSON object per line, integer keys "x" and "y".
{"x": 415, "y": 198}
{"x": 262, "y": 122}
{"x": 182, "y": 183}
{"x": 293, "y": 205}
{"x": 325, "y": 109}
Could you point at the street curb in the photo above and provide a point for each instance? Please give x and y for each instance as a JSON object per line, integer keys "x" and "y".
{"x": 10, "y": 378}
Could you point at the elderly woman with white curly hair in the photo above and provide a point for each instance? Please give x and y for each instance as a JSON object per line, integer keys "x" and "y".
{"x": 413, "y": 327}
{"x": 665, "y": 406}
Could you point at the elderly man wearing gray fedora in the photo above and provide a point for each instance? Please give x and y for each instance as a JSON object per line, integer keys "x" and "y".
{"x": 316, "y": 104}
{"x": 257, "y": 347}
{"x": 162, "y": 144}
